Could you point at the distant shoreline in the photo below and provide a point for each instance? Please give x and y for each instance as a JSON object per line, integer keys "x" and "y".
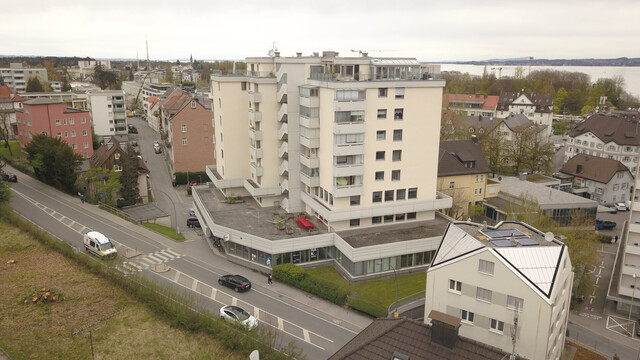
{"x": 547, "y": 62}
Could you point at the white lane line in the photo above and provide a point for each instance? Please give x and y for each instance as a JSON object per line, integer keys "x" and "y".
{"x": 144, "y": 261}
{"x": 155, "y": 259}
{"x": 305, "y": 333}
{"x": 161, "y": 256}
{"x": 280, "y": 324}
{"x": 173, "y": 253}
{"x": 176, "y": 277}
{"x": 256, "y": 313}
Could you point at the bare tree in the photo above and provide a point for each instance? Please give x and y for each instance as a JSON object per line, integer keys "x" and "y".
{"x": 5, "y": 127}
{"x": 462, "y": 202}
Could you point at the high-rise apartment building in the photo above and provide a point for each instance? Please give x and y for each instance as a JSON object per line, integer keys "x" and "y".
{"x": 108, "y": 112}
{"x": 352, "y": 141}
{"x": 16, "y": 76}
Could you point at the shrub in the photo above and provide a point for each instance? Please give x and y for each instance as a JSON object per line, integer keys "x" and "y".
{"x": 360, "y": 304}
{"x": 605, "y": 238}
{"x": 288, "y": 273}
{"x": 183, "y": 178}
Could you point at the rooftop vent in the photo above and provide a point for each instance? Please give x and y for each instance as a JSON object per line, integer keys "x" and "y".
{"x": 299, "y": 54}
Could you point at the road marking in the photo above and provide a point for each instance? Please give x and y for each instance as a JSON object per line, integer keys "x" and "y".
{"x": 280, "y": 323}
{"x": 195, "y": 285}
{"x": 234, "y": 301}
{"x": 256, "y": 313}
{"x": 305, "y": 333}
{"x": 155, "y": 259}
{"x": 175, "y": 278}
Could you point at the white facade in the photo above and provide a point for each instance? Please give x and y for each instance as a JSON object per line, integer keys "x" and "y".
{"x": 488, "y": 279}
{"x": 630, "y": 270}
{"x": 295, "y": 133}
{"x": 16, "y": 76}
{"x": 588, "y": 143}
{"x": 523, "y": 105}
{"x": 108, "y": 112}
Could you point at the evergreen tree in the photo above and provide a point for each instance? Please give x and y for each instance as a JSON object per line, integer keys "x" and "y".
{"x": 53, "y": 161}
{"x": 129, "y": 177}
{"x": 34, "y": 85}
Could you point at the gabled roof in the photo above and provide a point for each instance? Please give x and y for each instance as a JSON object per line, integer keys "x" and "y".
{"x": 482, "y": 122}
{"x": 522, "y": 248}
{"x": 456, "y": 153}
{"x": 489, "y": 102}
{"x": 518, "y": 122}
{"x": 5, "y": 91}
{"x": 542, "y": 104}
{"x": 610, "y": 128}
{"x": 593, "y": 168}
{"x": 104, "y": 152}
{"x": 387, "y": 336}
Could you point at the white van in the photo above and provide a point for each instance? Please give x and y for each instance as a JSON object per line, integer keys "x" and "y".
{"x": 99, "y": 244}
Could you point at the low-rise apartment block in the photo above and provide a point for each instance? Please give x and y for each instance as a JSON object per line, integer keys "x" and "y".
{"x": 108, "y": 112}
{"x": 16, "y": 76}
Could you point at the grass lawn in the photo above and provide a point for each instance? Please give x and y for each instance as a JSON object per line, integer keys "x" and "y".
{"x": 374, "y": 297}
{"x": 164, "y": 230}
{"x": 44, "y": 330}
{"x": 15, "y": 150}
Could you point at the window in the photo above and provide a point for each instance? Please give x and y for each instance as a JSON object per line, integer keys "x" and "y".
{"x": 57, "y": 122}
{"x": 515, "y": 303}
{"x": 485, "y": 267}
{"x": 243, "y": 85}
{"x": 397, "y": 135}
{"x": 467, "y": 316}
{"x": 388, "y": 218}
{"x": 377, "y": 196}
{"x": 184, "y": 128}
{"x": 382, "y": 92}
{"x": 376, "y": 220}
{"x": 398, "y": 114}
{"x": 483, "y": 294}
{"x": 73, "y": 133}
{"x": 117, "y": 168}
{"x": 59, "y": 135}
{"x": 381, "y": 135}
{"x": 397, "y": 155}
{"x": 452, "y": 184}
{"x": 400, "y": 194}
{"x": 379, "y": 155}
{"x": 193, "y": 104}
{"x": 86, "y": 146}
{"x": 395, "y": 175}
{"x": 116, "y": 156}
{"x": 497, "y": 325}
{"x": 379, "y": 175}
{"x": 382, "y": 113}
{"x": 411, "y": 216}
{"x": 399, "y": 93}
{"x": 66, "y": 134}
{"x": 74, "y": 146}
{"x": 72, "y": 121}
{"x": 455, "y": 286}
{"x": 354, "y": 222}
{"x": 355, "y": 200}
{"x": 388, "y": 195}
{"x": 413, "y": 193}
{"x": 184, "y": 141}
{"x": 64, "y": 121}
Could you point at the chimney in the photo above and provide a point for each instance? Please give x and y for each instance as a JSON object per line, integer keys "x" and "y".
{"x": 277, "y": 53}
{"x": 444, "y": 329}
{"x": 364, "y": 54}
{"x": 316, "y": 54}
{"x": 299, "y": 54}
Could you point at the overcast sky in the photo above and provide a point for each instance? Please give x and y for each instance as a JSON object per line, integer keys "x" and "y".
{"x": 429, "y": 30}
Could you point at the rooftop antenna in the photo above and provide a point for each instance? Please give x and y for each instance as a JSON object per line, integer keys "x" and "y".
{"x": 272, "y": 51}
{"x": 514, "y": 333}
{"x": 138, "y": 60}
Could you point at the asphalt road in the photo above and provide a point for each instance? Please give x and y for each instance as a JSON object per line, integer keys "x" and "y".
{"x": 319, "y": 329}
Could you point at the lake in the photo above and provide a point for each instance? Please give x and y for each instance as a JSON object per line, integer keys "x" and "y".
{"x": 630, "y": 74}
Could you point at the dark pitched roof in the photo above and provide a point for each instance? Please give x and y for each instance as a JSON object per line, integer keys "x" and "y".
{"x": 411, "y": 338}
{"x": 593, "y": 168}
{"x": 518, "y": 122}
{"x": 482, "y": 122}
{"x": 454, "y": 154}
{"x": 542, "y": 104}
{"x": 104, "y": 152}
{"x": 610, "y": 128}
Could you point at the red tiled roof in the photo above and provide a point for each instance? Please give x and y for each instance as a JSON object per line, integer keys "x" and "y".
{"x": 5, "y": 92}
{"x": 489, "y": 102}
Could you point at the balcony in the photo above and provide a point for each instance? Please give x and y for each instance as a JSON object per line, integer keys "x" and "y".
{"x": 355, "y": 105}
{"x": 308, "y": 180}
{"x": 347, "y": 190}
{"x": 311, "y": 123}
{"x": 313, "y": 143}
{"x": 256, "y": 170}
{"x": 348, "y": 128}
{"x": 284, "y": 167}
{"x": 348, "y": 149}
{"x": 255, "y": 135}
{"x": 310, "y": 102}
{"x": 255, "y": 97}
{"x": 283, "y": 131}
{"x": 255, "y": 153}
{"x": 284, "y": 185}
{"x": 284, "y": 149}
{"x": 219, "y": 181}
{"x": 282, "y": 113}
{"x": 255, "y": 116}
{"x": 348, "y": 170}
{"x": 120, "y": 115}
{"x": 256, "y": 191}
{"x": 310, "y": 162}
{"x": 118, "y": 102}
{"x": 282, "y": 93}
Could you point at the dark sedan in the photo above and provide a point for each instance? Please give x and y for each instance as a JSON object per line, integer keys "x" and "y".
{"x": 10, "y": 177}
{"x": 236, "y": 282}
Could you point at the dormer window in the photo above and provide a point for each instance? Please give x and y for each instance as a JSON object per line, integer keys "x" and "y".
{"x": 116, "y": 156}
{"x": 193, "y": 104}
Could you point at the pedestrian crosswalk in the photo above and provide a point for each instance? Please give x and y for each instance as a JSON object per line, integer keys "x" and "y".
{"x": 147, "y": 261}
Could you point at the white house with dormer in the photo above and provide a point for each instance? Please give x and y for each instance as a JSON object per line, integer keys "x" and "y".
{"x": 511, "y": 277}
{"x": 535, "y": 107}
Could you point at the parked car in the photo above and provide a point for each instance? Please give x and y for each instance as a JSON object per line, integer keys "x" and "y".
{"x": 236, "y": 282}
{"x": 605, "y": 224}
{"x": 10, "y": 177}
{"x": 132, "y": 129}
{"x": 192, "y": 221}
{"x": 192, "y": 212}
{"x": 157, "y": 150}
{"x": 238, "y": 315}
{"x": 621, "y": 206}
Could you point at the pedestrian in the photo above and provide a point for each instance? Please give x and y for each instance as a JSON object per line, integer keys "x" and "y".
{"x": 615, "y": 239}
{"x": 82, "y": 198}
{"x": 270, "y": 279}
{"x": 590, "y": 306}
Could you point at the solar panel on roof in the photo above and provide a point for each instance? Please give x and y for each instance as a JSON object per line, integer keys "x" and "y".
{"x": 526, "y": 241}
{"x": 502, "y": 243}
{"x": 494, "y": 234}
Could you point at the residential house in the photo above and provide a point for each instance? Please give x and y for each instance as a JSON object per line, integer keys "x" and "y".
{"x": 291, "y": 136}
{"x": 503, "y": 280}
{"x": 16, "y": 76}
{"x": 463, "y": 174}
{"x": 611, "y": 136}
{"x": 53, "y": 118}
{"x": 606, "y": 181}
{"x": 189, "y": 134}
{"x": 108, "y": 112}
{"x": 402, "y": 338}
{"x": 535, "y": 107}
{"x": 108, "y": 156}
{"x": 154, "y": 113}
{"x": 9, "y": 103}
{"x": 471, "y": 105}
{"x": 69, "y": 98}
{"x": 557, "y": 205}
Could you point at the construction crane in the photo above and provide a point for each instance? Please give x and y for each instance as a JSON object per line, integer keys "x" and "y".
{"x": 499, "y": 71}
{"x": 530, "y": 58}
{"x": 365, "y": 52}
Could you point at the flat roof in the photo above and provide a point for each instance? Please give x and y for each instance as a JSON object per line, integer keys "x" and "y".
{"x": 545, "y": 196}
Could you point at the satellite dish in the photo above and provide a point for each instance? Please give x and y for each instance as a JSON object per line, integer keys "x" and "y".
{"x": 549, "y": 236}
{"x": 271, "y": 53}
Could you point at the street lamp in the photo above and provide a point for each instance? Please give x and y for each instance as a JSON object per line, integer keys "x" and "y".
{"x": 631, "y": 305}
{"x": 175, "y": 213}
{"x": 395, "y": 274}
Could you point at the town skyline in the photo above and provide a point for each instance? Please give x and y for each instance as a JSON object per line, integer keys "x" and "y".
{"x": 431, "y": 32}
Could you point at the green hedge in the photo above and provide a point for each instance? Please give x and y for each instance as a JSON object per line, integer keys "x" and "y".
{"x": 298, "y": 277}
{"x": 360, "y": 304}
{"x": 181, "y": 177}
{"x": 605, "y": 238}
